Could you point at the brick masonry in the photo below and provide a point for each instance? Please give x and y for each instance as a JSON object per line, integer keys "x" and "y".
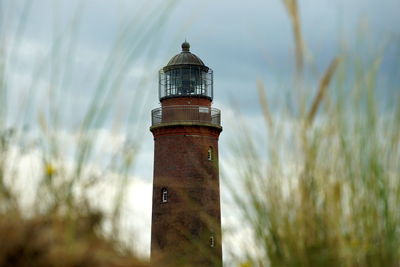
{"x": 182, "y": 227}
{"x": 177, "y": 101}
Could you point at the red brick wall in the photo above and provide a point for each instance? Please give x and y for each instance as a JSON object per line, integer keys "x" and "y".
{"x": 195, "y": 101}
{"x": 182, "y": 227}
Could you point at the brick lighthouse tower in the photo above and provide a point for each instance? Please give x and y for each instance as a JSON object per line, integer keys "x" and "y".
{"x": 186, "y": 220}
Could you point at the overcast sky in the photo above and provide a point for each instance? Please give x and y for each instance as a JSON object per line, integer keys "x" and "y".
{"x": 242, "y": 41}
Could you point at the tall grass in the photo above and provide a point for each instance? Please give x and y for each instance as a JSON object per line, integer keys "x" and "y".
{"x": 325, "y": 190}
{"x": 52, "y": 160}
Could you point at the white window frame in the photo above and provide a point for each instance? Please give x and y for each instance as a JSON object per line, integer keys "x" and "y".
{"x": 210, "y": 154}
{"x": 164, "y": 195}
{"x": 212, "y": 241}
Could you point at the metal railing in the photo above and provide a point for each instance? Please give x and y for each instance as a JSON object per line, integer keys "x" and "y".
{"x": 193, "y": 114}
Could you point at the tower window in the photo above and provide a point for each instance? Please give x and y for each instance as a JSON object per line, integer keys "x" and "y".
{"x": 210, "y": 154}
{"x": 212, "y": 241}
{"x": 164, "y": 195}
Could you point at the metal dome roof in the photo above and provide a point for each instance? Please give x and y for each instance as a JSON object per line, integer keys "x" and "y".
{"x": 185, "y": 58}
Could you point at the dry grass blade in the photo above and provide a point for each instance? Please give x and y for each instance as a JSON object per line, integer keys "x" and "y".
{"x": 323, "y": 85}
{"x": 292, "y": 9}
{"x": 264, "y": 103}
{"x": 65, "y": 162}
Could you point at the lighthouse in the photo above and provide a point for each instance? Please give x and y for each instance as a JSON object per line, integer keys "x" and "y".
{"x": 186, "y": 215}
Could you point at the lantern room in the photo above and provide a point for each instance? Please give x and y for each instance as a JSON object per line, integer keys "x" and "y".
{"x": 185, "y": 76}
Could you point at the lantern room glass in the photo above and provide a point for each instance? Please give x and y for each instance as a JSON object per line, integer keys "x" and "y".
{"x": 196, "y": 81}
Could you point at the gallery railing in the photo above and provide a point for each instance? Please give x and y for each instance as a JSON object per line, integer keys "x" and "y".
{"x": 192, "y": 114}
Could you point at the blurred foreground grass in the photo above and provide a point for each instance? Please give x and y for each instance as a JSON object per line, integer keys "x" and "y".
{"x": 54, "y": 151}
{"x": 325, "y": 191}
{"x": 54, "y": 240}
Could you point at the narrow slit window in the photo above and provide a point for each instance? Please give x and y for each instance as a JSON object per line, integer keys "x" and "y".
{"x": 212, "y": 241}
{"x": 210, "y": 154}
{"x": 164, "y": 195}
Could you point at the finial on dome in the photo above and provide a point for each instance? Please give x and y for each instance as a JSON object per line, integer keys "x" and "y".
{"x": 185, "y": 46}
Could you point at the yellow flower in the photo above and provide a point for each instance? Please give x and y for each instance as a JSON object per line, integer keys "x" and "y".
{"x": 245, "y": 264}
{"x": 50, "y": 169}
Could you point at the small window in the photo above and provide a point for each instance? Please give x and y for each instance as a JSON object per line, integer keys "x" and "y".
{"x": 210, "y": 153}
{"x": 164, "y": 195}
{"x": 212, "y": 241}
